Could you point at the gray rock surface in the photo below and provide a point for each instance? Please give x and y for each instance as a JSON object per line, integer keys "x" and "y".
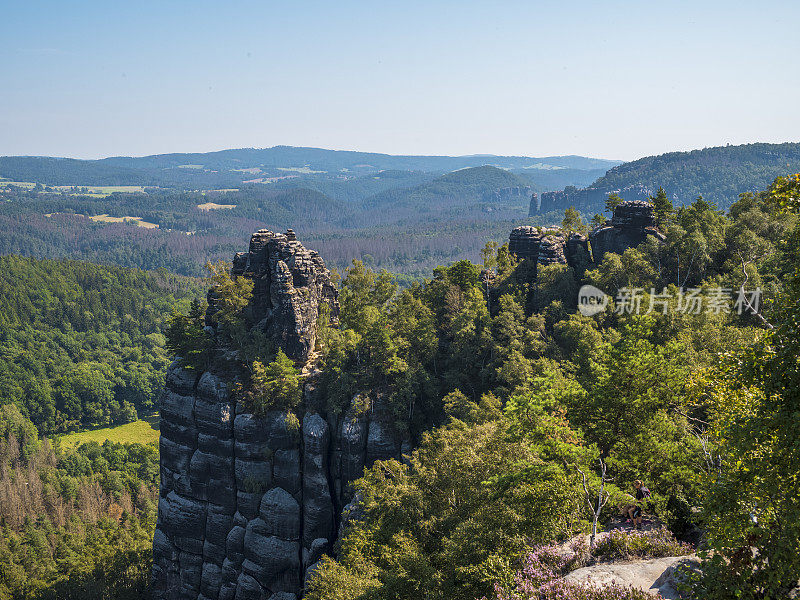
{"x": 655, "y": 576}
{"x": 547, "y": 247}
{"x": 633, "y": 221}
{"x": 248, "y": 505}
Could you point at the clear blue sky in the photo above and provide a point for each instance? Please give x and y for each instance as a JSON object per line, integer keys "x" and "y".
{"x": 608, "y": 79}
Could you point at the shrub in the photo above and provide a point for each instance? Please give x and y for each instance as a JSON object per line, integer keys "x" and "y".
{"x": 275, "y": 385}
{"x": 541, "y": 578}
{"x": 639, "y": 544}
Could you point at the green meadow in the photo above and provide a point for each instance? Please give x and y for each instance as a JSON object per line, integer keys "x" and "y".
{"x": 143, "y": 431}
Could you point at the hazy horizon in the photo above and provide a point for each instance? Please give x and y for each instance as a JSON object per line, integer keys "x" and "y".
{"x": 616, "y": 80}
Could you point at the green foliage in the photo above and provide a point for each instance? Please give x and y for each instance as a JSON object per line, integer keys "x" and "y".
{"x": 275, "y": 386}
{"x": 231, "y": 295}
{"x": 187, "y": 338}
{"x": 598, "y": 220}
{"x": 78, "y": 522}
{"x": 612, "y": 202}
{"x": 446, "y": 525}
{"x": 627, "y": 545}
{"x": 662, "y": 207}
{"x": 572, "y": 221}
{"x": 751, "y": 509}
{"x": 82, "y": 343}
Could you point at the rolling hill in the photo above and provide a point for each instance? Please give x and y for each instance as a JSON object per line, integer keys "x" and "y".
{"x": 232, "y": 168}
{"x": 719, "y": 174}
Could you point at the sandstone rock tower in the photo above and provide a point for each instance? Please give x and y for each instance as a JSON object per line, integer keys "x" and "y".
{"x": 548, "y": 247}
{"x": 248, "y": 504}
{"x": 632, "y": 222}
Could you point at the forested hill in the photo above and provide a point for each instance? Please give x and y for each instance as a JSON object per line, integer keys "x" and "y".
{"x": 718, "y": 174}
{"x": 82, "y": 344}
{"x": 461, "y": 190}
{"x": 229, "y": 168}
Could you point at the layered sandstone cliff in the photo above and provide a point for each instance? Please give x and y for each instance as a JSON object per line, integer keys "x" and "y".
{"x": 249, "y": 503}
{"x": 547, "y": 247}
{"x": 632, "y": 222}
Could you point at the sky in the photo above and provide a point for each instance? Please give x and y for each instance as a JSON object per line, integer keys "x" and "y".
{"x": 617, "y": 80}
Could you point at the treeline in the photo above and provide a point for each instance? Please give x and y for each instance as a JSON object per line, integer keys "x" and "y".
{"x": 83, "y": 344}
{"x": 718, "y": 174}
{"x": 407, "y": 238}
{"x": 75, "y": 523}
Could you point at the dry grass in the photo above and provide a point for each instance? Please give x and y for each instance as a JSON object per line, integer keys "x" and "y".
{"x": 137, "y": 220}
{"x": 214, "y": 206}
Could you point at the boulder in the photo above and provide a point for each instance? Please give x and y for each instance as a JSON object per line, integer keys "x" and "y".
{"x": 655, "y": 576}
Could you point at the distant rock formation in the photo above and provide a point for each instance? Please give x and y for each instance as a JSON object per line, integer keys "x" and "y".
{"x": 632, "y": 222}
{"x": 533, "y": 207}
{"x": 508, "y": 194}
{"x": 248, "y": 504}
{"x": 547, "y": 247}
{"x": 586, "y": 199}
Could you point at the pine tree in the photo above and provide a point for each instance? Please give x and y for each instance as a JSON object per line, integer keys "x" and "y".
{"x": 663, "y": 208}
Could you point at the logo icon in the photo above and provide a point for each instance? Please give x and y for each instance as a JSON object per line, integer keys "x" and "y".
{"x": 591, "y": 300}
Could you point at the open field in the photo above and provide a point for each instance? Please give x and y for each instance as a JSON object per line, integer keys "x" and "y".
{"x": 305, "y": 170}
{"x": 214, "y": 206}
{"x": 98, "y": 191}
{"x": 138, "y": 220}
{"x": 144, "y": 431}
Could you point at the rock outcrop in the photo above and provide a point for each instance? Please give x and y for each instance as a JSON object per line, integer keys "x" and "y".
{"x": 291, "y": 283}
{"x": 249, "y": 503}
{"x": 587, "y": 200}
{"x": 547, "y": 247}
{"x": 660, "y": 577}
{"x": 509, "y": 194}
{"x": 633, "y": 221}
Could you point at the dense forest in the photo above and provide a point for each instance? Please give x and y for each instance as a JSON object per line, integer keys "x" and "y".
{"x": 83, "y": 345}
{"x": 717, "y": 174}
{"x": 512, "y": 396}
{"x": 530, "y": 394}
{"x": 75, "y": 523}
{"x": 408, "y": 228}
{"x": 521, "y": 406}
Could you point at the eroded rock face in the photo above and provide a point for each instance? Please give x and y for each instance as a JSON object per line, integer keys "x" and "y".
{"x": 249, "y": 504}
{"x": 547, "y": 247}
{"x": 633, "y": 221}
{"x": 291, "y": 283}
{"x": 587, "y": 200}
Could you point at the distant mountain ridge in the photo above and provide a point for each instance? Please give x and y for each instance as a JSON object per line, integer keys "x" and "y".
{"x": 231, "y": 168}
{"x": 719, "y": 174}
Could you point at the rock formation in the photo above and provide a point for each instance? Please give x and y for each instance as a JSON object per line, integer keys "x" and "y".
{"x": 633, "y": 221}
{"x": 547, "y": 247}
{"x": 249, "y": 503}
{"x": 508, "y": 194}
{"x": 290, "y": 285}
{"x": 533, "y": 207}
{"x": 587, "y": 200}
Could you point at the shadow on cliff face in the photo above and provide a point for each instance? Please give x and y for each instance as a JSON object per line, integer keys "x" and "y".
{"x": 250, "y": 502}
